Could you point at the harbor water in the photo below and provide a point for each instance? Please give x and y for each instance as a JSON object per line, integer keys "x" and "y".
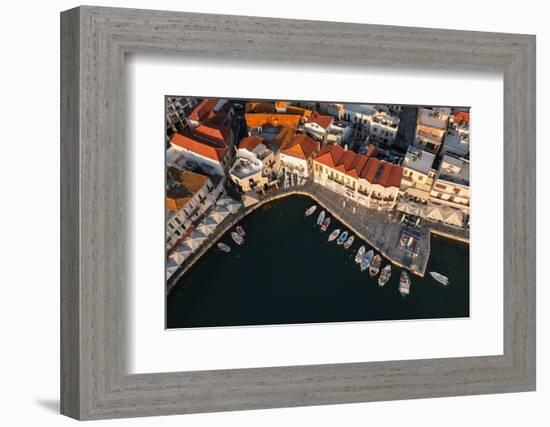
{"x": 286, "y": 272}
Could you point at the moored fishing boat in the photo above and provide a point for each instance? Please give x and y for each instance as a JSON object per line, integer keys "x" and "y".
{"x": 444, "y": 280}
{"x": 223, "y": 247}
{"x": 349, "y": 242}
{"x": 333, "y": 235}
{"x": 325, "y": 224}
{"x": 310, "y": 210}
{"x": 360, "y": 254}
{"x": 385, "y": 275}
{"x": 342, "y": 238}
{"x": 404, "y": 284}
{"x": 321, "y": 218}
{"x": 365, "y": 262}
{"x": 240, "y": 230}
{"x": 374, "y": 266}
{"x": 237, "y": 238}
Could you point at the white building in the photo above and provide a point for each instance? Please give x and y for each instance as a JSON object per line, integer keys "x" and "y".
{"x": 383, "y": 127}
{"x": 188, "y": 196}
{"x": 430, "y": 129}
{"x": 418, "y": 175}
{"x": 339, "y": 133}
{"x": 457, "y": 140}
{"x": 256, "y": 164}
{"x": 208, "y": 156}
{"x": 317, "y": 126}
{"x": 367, "y": 181}
{"x": 452, "y": 185}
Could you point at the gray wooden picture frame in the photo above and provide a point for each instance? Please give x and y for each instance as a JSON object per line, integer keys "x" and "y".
{"x": 94, "y": 381}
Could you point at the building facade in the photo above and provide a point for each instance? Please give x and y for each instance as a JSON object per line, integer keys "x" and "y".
{"x": 213, "y": 158}
{"x": 366, "y": 180}
{"x": 298, "y": 156}
{"x": 188, "y": 196}
{"x": 418, "y": 175}
{"x": 257, "y": 164}
{"x": 452, "y": 184}
{"x": 430, "y": 129}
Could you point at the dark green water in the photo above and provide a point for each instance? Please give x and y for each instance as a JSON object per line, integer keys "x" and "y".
{"x": 287, "y": 272}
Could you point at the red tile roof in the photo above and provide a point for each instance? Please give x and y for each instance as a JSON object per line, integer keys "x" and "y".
{"x": 330, "y": 155}
{"x": 395, "y": 177}
{"x": 202, "y": 110}
{"x": 216, "y": 133}
{"x": 462, "y": 117}
{"x": 321, "y": 120}
{"x": 251, "y": 142}
{"x": 360, "y": 166}
{"x": 302, "y": 147}
{"x": 198, "y": 146}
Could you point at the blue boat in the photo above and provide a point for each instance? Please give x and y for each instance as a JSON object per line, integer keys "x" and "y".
{"x": 365, "y": 262}
{"x": 342, "y": 238}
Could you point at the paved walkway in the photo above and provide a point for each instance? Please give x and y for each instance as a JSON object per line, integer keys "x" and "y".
{"x": 379, "y": 229}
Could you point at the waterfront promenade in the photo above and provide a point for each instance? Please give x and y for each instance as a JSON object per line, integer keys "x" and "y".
{"x": 380, "y": 229}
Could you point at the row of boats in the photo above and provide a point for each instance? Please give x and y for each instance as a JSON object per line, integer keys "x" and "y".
{"x": 369, "y": 260}
{"x": 237, "y": 236}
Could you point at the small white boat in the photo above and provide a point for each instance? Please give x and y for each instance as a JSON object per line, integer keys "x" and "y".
{"x": 321, "y": 218}
{"x": 310, "y": 210}
{"x": 223, "y": 247}
{"x": 349, "y": 242}
{"x": 444, "y": 280}
{"x": 365, "y": 262}
{"x": 333, "y": 235}
{"x": 237, "y": 238}
{"x": 240, "y": 230}
{"x": 404, "y": 284}
{"x": 325, "y": 225}
{"x": 385, "y": 275}
{"x": 342, "y": 238}
{"x": 360, "y": 254}
{"x": 374, "y": 266}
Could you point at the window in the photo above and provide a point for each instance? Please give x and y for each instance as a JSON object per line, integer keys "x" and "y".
{"x": 171, "y": 226}
{"x": 178, "y": 220}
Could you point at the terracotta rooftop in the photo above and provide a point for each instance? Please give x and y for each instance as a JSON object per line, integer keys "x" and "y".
{"x": 302, "y": 147}
{"x": 199, "y": 146}
{"x": 256, "y": 120}
{"x": 251, "y": 142}
{"x": 220, "y": 134}
{"x": 185, "y": 185}
{"x": 462, "y": 117}
{"x": 360, "y": 166}
{"x": 202, "y": 110}
{"x": 321, "y": 120}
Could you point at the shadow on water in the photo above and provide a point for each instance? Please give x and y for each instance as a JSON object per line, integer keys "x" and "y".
{"x": 287, "y": 272}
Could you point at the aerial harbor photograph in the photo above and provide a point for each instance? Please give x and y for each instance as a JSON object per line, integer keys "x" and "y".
{"x": 296, "y": 212}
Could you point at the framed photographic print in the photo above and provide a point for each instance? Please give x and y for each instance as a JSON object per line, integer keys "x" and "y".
{"x": 292, "y": 213}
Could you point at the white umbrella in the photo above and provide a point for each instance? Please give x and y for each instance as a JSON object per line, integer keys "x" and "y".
{"x": 233, "y": 206}
{"x": 220, "y": 212}
{"x": 206, "y": 229}
{"x": 454, "y": 217}
{"x": 210, "y": 221}
{"x": 215, "y": 216}
{"x": 182, "y": 251}
{"x": 434, "y": 213}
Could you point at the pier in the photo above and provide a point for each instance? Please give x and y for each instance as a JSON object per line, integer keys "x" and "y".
{"x": 380, "y": 229}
